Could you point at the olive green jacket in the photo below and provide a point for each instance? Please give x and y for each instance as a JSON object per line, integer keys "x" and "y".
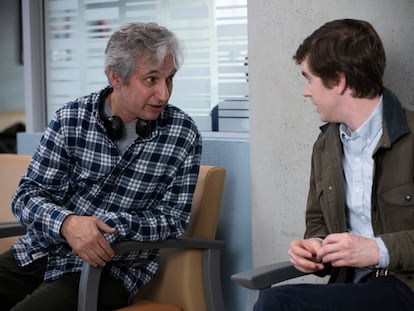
{"x": 392, "y": 199}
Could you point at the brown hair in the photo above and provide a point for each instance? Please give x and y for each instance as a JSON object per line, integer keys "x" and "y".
{"x": 347, "y": 46}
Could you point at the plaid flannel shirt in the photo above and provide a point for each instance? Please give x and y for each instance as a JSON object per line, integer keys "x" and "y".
{"x": 145, "y": 193}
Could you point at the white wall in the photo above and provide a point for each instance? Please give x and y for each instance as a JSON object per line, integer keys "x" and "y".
{"x": 284, "y": 124}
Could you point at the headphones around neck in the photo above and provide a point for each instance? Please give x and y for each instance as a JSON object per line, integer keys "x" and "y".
{"x": 114, "y": 125}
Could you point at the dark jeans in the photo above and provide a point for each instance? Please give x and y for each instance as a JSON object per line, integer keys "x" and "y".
{"x": 376, "y": 294}
{"x": 23, "y": 288}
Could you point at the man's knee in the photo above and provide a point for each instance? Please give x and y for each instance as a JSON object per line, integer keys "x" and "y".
{"x": 276, "y": 298}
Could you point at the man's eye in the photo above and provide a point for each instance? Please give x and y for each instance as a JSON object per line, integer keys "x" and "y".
{"x": 150, "y": 79}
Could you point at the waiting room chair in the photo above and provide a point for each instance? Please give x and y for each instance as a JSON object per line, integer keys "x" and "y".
{"x": 188, "y": 278}
{"x": 263, "y": 277}
{"x": 12, "y": 168}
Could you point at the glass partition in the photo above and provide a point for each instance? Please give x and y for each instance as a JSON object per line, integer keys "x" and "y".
{"x": 212, "y": 83}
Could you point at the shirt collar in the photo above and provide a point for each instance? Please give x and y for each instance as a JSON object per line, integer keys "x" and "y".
{"x": 368, "y": 130}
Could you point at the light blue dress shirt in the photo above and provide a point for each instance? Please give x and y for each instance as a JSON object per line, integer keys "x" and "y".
{"x": 358, "y": 164}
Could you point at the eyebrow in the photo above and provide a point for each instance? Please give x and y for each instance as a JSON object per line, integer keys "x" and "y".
{"x": 155, "y": 71}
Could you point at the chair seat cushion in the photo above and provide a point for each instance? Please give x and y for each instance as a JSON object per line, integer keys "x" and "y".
{"x": 147, "y": 305}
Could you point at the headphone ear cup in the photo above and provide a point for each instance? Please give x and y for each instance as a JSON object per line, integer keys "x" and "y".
{"x": 114, "y": 126}
{"x": 144, "y": 128}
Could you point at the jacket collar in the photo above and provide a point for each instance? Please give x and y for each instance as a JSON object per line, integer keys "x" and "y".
{"x": 395, "y": 123}
{"x": 394, "y": 116}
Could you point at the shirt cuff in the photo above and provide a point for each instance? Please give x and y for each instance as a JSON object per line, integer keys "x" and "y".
{"x": 384, "y": 259}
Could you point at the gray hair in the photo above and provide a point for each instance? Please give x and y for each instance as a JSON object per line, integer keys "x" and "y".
{"x": 134, "y": 40}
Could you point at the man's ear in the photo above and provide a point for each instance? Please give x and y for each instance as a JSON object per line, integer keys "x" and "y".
{"x": 114, "y": 78}
{"x": 341, "y": 84}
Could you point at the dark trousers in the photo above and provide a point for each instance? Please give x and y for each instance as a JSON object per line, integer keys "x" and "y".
{"x": 23, "y": 288}
{"x": 376, "y": 294}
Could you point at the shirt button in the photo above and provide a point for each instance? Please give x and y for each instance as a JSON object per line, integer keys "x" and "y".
{"x": 408, "y": 197}
{"x": 330, "y": 188}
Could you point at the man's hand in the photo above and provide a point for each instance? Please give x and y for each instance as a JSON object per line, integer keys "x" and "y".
{"x": 83, "y": 233}
{"x": 346, "y": 249}
{"x": 303, "y": 255}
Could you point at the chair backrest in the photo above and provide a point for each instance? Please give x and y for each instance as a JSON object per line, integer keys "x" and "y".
{"x": 206, "y": 205}
{"x": 12, "y": 168}
{"x": 179, "y": 279}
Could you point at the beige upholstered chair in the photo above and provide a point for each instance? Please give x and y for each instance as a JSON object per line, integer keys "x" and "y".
{"x": 189, "y": 274}
{"x": 12, "y": 168}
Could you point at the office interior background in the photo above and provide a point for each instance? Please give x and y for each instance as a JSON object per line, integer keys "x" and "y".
{"x": 268, "y": 160}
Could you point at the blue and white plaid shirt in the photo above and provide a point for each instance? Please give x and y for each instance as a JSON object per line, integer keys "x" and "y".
{"x": 145, "y": 193}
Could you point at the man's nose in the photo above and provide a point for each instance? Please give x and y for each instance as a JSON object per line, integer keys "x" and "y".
{"x": 163, "y": 92}
{"x": 306, "y": 91}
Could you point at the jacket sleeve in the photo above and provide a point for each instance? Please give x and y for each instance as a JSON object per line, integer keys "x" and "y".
{"x": 401, "y": 257}
{"x": 315, "y": 221}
